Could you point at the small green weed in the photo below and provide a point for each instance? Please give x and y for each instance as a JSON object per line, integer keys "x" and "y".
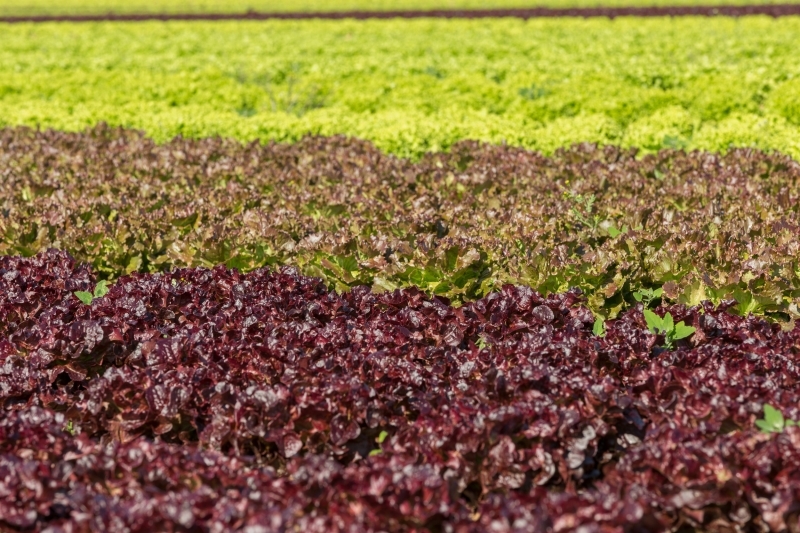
{"x": 599, "y": 327}
{"x": 646, "y": 296}
{"x": 290, "y": 100}
{"x": 100, "y": 290}
{"x": 666, "y": 326}
{"x": 614, "y": 232}
{"x": 773, "y": 421}
{"x": 534, "y": 92}
{"x": 582, "y": 207}
{"x": 381, "y": 437}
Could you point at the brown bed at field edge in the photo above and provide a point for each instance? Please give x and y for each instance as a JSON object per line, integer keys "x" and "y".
{"x": 775, "y": 10}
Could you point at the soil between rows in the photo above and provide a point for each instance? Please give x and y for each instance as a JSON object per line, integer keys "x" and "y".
{"x": 774, "y": 10}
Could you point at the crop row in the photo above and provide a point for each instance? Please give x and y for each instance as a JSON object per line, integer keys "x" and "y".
{"x": 694, "y": 226}
{"x": 46, "y": 7}
{"x": 648, "y": 83}
{"x": 211, "y": 400}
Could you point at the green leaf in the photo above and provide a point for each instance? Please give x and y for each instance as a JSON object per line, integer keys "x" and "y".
{"x": 334, "y": 210}
{"x": 682, "y": 330}
{"x": 464, "y": 277}
{"x": 443, "y": 287}
{"x": 70, "y": 428}
{"x": 451, "y": 258}
{"x": 382, "y": 437}
{"x": 772, "y": 422}
{"x": 693, "y": 293}
{"x": 134, "y": 264}
{"x": 240, "y": 262}
{"x": 185, "y": 222}
{"x": 667, "y": 323}
{"x": 375, "y": 452}
{"x": 85, "y": 297}
{"x": 155, "y": 207}
{"x": 745, "y": 303}
{"x": 654, "y": 322}
{"x": 533, "y": 92}
{"x": 772, "y": 415}
{"x": 637, "y": 295}
{"x": 101, "y": 289}
{"x": 763, "y": 426}
{"x": 599, "y": 327}
{"x": 380, "y": 284}
{"x": 347, "y": 263}
{"x": 658, "y": 292}
{"x": 613, "y": 232}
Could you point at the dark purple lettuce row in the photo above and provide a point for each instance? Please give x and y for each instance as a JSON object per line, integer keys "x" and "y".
{"x": 54, "y": 481}
{"x": 264, "y": 399}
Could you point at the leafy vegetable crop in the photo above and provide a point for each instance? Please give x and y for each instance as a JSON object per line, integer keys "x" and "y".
{"x": 696, "y": 226}
{"x": 212, "y": 400}
{"x": 47, "y": 7}
{"x": 413, "y": 87}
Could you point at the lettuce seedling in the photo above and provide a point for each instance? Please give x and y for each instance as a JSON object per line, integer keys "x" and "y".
{"x": 100, "y": 290}
{"x": 773, "y": 421}
{"x": 666, "y": 326}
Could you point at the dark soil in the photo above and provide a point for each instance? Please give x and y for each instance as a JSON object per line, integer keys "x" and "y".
{"x": 776, "y": 10}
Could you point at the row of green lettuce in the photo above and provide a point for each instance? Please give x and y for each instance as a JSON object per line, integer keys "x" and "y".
{"x": 74, "y": 7}
{"x": 417, "y": 86}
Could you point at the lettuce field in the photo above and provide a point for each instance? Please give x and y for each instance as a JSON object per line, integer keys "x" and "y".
{"x": 647, "y": 83}
{"x": 399, "y": 276}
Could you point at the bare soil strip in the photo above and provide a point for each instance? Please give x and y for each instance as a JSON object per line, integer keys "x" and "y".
{"x": 775, "y": 10}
